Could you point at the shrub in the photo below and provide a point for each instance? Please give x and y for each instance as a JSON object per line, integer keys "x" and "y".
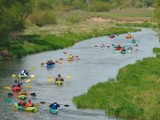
{"x": 43, "y": 18}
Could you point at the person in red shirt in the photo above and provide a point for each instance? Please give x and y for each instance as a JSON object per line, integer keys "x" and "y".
{"x": 29, "y": 104}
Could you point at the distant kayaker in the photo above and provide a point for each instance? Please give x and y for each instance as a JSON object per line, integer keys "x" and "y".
{"x": 133, "y": 41}
{"x": 59, "y": 78}
{"x": 70, "y": 56}
{"x": 22, "y": 103}
{"x": 54, "y": 105}
{"x": 29, "y": 104}
{"x": 50, "y": 62}
{"x": 24, "y": 72}
{"x": 17, "y": 83}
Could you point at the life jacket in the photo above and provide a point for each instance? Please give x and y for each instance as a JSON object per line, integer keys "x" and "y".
{"x": 29, "y": 104}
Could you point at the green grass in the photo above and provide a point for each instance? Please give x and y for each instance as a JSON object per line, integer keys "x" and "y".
{"x": 133, "y": 95}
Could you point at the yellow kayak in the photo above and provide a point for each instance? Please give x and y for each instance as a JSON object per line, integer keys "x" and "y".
{"x": 58, "y": 82}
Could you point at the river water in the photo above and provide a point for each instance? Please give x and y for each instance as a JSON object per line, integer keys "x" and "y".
{"x": 95, "y": 65}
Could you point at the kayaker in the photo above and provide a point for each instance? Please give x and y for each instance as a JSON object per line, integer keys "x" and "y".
{"x": 22, "y": 103}
{"x": 50, "y": 62}
{"x": 59, "y": 78}
{"x": 22, "y": 92}
{"x": 133, "y": 41}
{"x": 54, "y": 105}
{"x": 24, "y": 72}
{"x": 17, "y": 83}
{"x": 29, "y": 104}
{"x": 70, "y": 56}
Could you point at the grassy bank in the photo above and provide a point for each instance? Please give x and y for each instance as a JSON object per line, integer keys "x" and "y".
{"x": 133, "y": 95}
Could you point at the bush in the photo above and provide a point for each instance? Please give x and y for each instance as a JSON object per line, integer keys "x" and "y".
{"x": 74, "y": 19}
{"x": 43, "y": 18}
{"x": 99, "y": 7}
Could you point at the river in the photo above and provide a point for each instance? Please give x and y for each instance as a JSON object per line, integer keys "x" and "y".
{"x": 95, "y": 65}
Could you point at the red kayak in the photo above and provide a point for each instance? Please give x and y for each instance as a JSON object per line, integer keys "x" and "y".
{"x": 16, "y": 88}
{"x": 117, "y": 48}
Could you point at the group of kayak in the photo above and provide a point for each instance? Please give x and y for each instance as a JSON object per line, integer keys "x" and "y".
{"x": 51, "y": 64}
{"x": 22, "y": 95}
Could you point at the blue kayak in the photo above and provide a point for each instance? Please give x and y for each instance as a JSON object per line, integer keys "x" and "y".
{"x": 50, "y": 66}
{"x": 54, "y": 111}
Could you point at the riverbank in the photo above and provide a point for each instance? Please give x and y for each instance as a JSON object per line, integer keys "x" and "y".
{"x": 133, "y": 95}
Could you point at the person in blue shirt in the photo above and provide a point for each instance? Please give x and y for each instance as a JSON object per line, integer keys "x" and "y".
{"x": 54, "y": 105}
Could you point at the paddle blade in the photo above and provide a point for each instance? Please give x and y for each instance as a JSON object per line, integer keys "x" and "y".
{"x": 10, "y": 94}
{"x": 64, "y": 53}
{"x": 32, "y": 68}
{"x": 33, "y": 94}
{"x": 50, "y": 80}
{"x": 8, "y": 100}
{"x": 7, "y": 88}
{"x": 66, "y": 105}
{"x": 32, "y": 76}
{"x": 28, "y": 80}
{"x": 14, "y": 75}
{"x": 37, "y": 104}
{"x": 43, "y": 102}
{"x": 59, "y": 62}
{"x": 28, "y": 86}
{"x": 68, "y": 77}
{"x": 14, "y": 108}
{"x": 49, "y": 77}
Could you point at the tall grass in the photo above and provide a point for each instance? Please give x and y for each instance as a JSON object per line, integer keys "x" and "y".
{"x": 134, "y": 95}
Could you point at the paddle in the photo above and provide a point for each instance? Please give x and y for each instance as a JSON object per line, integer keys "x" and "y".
{"x": 14, "y": 75}
{"x": 9, "y": 101}
{"x": 32, "y": 94}
{"x": 42, "y": 102}
{"x": 54, "y": 62}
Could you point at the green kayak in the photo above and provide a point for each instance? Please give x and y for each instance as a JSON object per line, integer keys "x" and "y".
{"x": 54, "y": 111}
{"x": 30, "y": 109}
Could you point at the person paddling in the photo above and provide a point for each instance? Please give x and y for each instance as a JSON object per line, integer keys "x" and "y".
{"x": 24, "y": 72}
{"x": 54, "y": 105}
{"x": 17, "y": 83}
{"x": 29, "y": 104}
{"x": 59, "y": 78}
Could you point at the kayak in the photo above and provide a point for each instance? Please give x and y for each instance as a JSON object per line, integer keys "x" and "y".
{"x": 133, "y": 41}
{"x": 54, "y": 111}
{"x": 22, "y": 76}
{"x": 112, "y": 36}
{"x": 117, "y": 48}
{"x": 30, "y": 109}
{"x": 22, "y": 97}
{"x": 123, "y": 52}
{"x": 50, "y": 66}
{"x": 16, "y": 88}
{"x": 128, "y": 37}
{"x": 70, "y": 59}
{"x": 58, "y": 82}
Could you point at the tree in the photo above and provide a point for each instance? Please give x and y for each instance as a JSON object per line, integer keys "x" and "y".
{"x": 12, "y": 16}
{"x": 157, "y": 11}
